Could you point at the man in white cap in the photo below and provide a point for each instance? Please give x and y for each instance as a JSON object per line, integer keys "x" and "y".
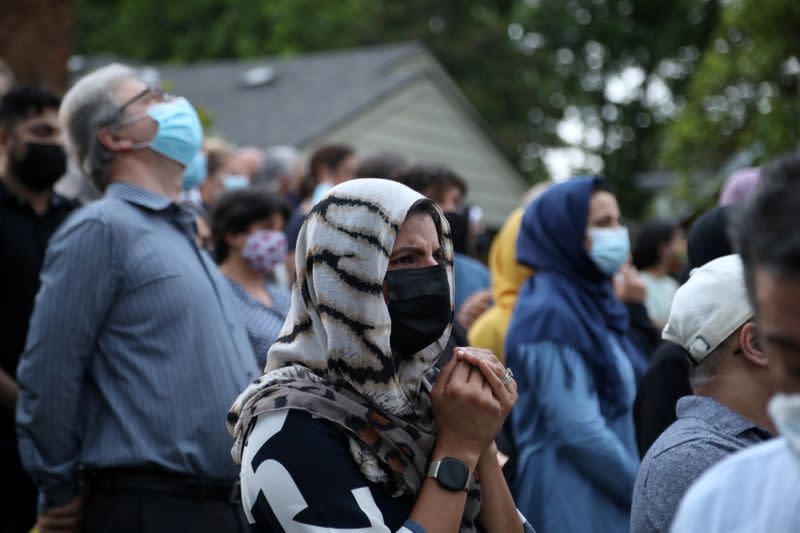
{"x": 712, "y": 319}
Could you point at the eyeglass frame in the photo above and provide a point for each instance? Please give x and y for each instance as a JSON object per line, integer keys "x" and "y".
{"x": 161, "y": 95}
{"x": 158, "y": 92}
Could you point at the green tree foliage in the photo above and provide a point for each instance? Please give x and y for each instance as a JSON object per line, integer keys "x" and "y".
{"x": 617, "y": 71}
{"x": 745, "y": 93}
{"x": 192, "y": 30}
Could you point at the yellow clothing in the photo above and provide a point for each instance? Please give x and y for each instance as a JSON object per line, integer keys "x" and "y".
{"x": 489, "y": 330}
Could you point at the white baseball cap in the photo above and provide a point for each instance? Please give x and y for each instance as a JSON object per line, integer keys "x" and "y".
{"x": 709, "y": 307}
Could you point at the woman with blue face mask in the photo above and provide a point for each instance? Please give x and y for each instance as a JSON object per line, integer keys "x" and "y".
{"x": 249, "y": 245}
{"x": 569, "y": 348}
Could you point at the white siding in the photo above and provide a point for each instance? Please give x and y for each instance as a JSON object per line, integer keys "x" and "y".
{"x": 420, "y": 122}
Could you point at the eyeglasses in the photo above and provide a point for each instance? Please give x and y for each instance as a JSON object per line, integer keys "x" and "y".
{"x": 119, "y": 119}
{"x": 156, "y": 92}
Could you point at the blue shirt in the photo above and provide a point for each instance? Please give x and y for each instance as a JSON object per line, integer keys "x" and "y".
{"x": 263, "y": 324}
{"x": 135, "y": 351}
{"x": 749, "y": 492}
{"x": 575, "y": 469}
{"x": 469, "y": 276}
{"x": 705, "y": 433}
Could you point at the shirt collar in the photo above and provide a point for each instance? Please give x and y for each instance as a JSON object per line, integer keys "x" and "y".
{"x": 153, "y": 201}
{"x": 140, "y": 196}
{"x": 57, "y": 200}
{"x": 717, "y": 415}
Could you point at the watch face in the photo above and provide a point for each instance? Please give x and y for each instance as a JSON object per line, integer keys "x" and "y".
{"x": 453, "y": 474}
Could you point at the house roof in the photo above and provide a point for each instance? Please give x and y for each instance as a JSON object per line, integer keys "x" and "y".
{"x": 334, "y": 86}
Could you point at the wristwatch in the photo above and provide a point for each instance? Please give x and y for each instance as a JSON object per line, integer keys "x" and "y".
{"x": 451, "y": 474}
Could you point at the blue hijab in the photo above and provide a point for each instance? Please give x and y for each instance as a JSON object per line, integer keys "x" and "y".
{"x": 569, "y": 301}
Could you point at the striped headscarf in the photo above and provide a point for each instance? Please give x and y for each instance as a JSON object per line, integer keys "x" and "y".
{"x": 333, "y": 358}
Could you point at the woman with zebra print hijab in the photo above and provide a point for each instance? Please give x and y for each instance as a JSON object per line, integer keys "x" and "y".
{"x": 340, "y": 430}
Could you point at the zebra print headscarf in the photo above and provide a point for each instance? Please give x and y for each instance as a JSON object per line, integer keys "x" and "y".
{"x": 333, "y": 358}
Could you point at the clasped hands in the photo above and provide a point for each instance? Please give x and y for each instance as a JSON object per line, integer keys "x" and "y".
{"x": 470, "y": 404}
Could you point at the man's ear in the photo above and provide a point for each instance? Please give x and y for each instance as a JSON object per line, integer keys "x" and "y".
{"x": 751, "y": 349}
{"x": 112, "y": 141}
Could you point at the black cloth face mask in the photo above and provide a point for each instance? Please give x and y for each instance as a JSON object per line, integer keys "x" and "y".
{"x": 40, "y": 167}
{"x": 419, "y": 306}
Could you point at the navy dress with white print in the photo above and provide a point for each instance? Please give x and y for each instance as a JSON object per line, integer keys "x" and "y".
{"x": 298, "y": 476}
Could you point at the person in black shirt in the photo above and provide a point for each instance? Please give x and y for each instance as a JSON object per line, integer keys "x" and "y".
{"x": 667, "y": 378}
{"x": 32, "y": 159}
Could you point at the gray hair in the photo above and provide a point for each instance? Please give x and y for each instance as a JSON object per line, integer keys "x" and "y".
{"x": 278, "y": 163}
{"x": 87, "y": 107}
{"x": 706, "y": 371}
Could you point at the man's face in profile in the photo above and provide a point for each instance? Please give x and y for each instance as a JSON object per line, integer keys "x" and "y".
{"x": 778, "y": 311}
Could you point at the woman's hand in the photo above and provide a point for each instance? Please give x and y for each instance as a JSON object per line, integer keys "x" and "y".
{"x": 629, "y": 285}
{"x": 493, "y": 372}
{"x": 467, "y": 413}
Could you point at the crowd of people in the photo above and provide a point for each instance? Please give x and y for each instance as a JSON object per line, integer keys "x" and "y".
{"x": 222, "y": 338}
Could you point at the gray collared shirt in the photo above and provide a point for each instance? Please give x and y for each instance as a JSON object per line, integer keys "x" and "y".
{"x": 705, "y": 433}
{"x": 135, "y": 351}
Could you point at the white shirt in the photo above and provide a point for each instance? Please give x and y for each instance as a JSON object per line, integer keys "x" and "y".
{"x": 660, "y": 292}
{"x": 756, "y": 490}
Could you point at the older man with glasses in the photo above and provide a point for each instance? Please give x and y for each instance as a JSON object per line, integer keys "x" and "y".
{"x": 135, "y": 350}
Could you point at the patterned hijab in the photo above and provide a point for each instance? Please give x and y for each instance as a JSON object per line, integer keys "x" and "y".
{"x": 570, "y": 301}
{"x": 333, "y": 358}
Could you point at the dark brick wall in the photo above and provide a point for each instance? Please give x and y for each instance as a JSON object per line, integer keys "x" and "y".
{"x": 36, "y": 40}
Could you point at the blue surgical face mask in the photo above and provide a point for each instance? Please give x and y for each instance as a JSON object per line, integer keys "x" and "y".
{"x": 195, "y": 173}
{"x": 232, "y": 182}
{"x": 785, "y": 412}
{"x": 610, "y": 248}
{"x": 179, "y": 134}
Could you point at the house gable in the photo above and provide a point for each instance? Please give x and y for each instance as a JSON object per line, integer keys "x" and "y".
{"x": 423, "y": 122}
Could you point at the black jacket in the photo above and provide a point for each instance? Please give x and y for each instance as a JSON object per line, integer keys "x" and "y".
{"x": 662, "y": 385}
